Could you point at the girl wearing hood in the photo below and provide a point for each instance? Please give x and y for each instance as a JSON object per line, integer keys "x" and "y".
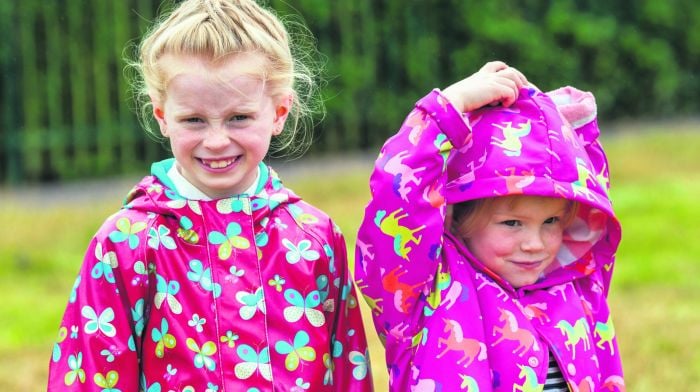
{"x": 214, "y": 276}
{"x": 487, "y": 248}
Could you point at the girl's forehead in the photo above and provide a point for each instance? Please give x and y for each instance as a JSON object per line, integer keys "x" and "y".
{"x": 523, "y": 202}
{"x": 248, "y": 65}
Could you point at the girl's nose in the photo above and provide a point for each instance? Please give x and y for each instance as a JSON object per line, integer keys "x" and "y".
{"x": 216, "y": 138}
{"x": 532, "y": 241}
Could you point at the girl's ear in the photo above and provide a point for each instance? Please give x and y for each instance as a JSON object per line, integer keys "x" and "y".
{"x": 283, "y": 105}
{"x": 159, "y": 115}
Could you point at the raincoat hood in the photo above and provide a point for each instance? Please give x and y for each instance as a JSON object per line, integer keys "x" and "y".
{"x": 545, "y": 144}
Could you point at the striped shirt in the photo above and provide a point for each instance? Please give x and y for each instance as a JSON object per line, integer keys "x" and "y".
{"x": 555, "y": 380}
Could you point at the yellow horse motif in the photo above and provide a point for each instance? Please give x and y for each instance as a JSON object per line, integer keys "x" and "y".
{"x": 606, "y": 333}
{"x": 530, "y": 384}
{"x": 442, "y": 282}
{"x": 574, "y": 334}
{"x": 402, "y": 235}
{"x": 511, "y": 143}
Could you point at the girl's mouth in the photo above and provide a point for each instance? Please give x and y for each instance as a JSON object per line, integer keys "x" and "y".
{"x": 218, "y": 163}
{"x": 528, "y": 264}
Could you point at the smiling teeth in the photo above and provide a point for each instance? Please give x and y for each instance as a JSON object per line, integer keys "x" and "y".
{"x": 219, "y": 164}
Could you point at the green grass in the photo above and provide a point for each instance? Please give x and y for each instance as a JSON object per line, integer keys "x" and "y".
{"x": 655, "y": 179}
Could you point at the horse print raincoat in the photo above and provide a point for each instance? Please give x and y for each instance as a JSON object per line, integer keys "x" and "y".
{"x": 449, "y": 323}
{"x": 248, "y": 293}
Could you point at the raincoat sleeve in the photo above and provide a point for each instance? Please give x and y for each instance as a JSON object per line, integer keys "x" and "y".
{"x": 100, "y": 333}
{"x": 349, "y": 355}
{"x": 400, "y": 239}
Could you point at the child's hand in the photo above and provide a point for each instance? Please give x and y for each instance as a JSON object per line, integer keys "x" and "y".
{"x": 494, "y": 83}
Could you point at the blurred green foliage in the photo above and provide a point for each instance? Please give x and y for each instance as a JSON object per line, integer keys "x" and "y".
{"x": 66, "y": 111}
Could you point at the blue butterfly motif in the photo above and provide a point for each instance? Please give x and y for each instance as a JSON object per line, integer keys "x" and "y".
{"x": 101, "y": 322}
{"x": 161, "y": 236}
{"x": 137, "y": 316}
{"x": 253, "y": 362}
{"x": 301, "y": 306}
{"x": 331, "y": 256}
{"x": 74, "y": 291}
{"x": 165, "y": 292}
{"x": 322, "y": 284}
{"x": 300, "y": 251}
{"x": 359, "y": 372}
{"x": 202, "y": 276}
{"x": 251, "y": 303}
{"x": 106, "y": 262}
{"x": 62, "y": 335}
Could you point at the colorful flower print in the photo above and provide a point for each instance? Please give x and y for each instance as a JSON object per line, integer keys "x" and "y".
{"x": 235, "y": 273}
{"x": 202, "y": 358}
{"x": 297, "y": 352}
{"x": 126, "y": 231}
{"x": 277, "y": 282}
{"x": 186, "y": 231}
{"x": 253, "y": 362}
{"x": 108, "y": 381}
{"x": 162, "y": 338}
{"x": 202, "y": 276}
{"x": 76, "y": 372}
{"x": 360, "y": 361}
{"x": 230, "y": 339}
{"x": 105, "y": 264}
{"x": 109, "y": 353}
{"x": 170, "y": 371}
{"x": 159, "y": 237}
{"x": 231, "y": 240}
{"x": 62, "y": 335}
{"x": 303, "y": 306}
{"x": 100, "y": 323}
{"x": 251, "y": 303}
{"x": 300, "y": 251}
{"x": 165, "y": 292}
{"x": 300, "y": 385}
{"x": 279, "y": 225}
{"x": 211, "y": 387}
{"x": 197, "y": 322}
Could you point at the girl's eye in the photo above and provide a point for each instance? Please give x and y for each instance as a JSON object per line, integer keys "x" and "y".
{"x": 192, "y": 120}
{"x": 551, "y": 220}
{"x": 511, "y": 222}
{"x": 240, "y": 117}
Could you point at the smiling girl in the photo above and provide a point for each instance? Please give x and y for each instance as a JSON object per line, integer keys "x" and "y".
{"x": 214, "y": 276}
{"x": 489, "y": 242}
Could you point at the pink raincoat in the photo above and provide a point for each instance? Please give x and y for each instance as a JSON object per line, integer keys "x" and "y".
{"x": 449, "y": 323}
{"x": 248, "y": 293}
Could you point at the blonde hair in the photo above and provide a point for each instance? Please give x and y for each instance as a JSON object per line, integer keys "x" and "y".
{"x": 469, "y": 216}
{"x": 215, "y": 29}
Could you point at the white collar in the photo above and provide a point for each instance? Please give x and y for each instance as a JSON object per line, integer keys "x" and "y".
{"x": 187, "y": 190}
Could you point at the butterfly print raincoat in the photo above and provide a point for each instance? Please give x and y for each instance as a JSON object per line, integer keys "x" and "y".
{"x": 248, "y": 293}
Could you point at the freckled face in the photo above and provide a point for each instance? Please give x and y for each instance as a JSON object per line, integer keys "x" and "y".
{"x": 219, "y": 119}
{"x": 519, "y": 238}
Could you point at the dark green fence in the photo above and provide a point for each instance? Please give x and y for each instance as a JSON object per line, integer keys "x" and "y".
{"x": 66, "y": 112}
